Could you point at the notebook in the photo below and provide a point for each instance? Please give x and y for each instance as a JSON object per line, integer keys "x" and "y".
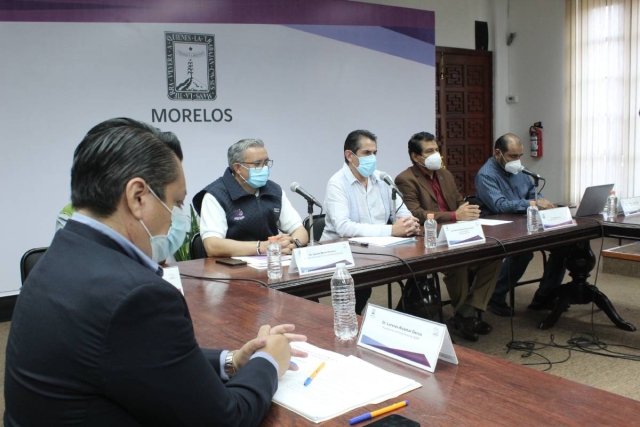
{"x": 593, "y": 200}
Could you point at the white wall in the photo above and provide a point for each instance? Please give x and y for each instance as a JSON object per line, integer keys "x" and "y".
{"x": 455, "y": 19}
{"x": 531, "y": 68}
{"x": 537, "y": 75}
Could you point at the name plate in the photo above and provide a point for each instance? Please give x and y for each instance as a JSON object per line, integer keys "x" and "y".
{"x": 172, "y": 275}
{"x": 409, "y": 339}
{"x": 556, "y": 218}
{"x": 461, "y": 234}
{"x": 315, "y": 259}
{"x": 630, "y": 206}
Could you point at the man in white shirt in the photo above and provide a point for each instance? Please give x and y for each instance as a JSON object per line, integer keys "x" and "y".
{"x": 358, "y": 202}
{"x": 242, "y": 209}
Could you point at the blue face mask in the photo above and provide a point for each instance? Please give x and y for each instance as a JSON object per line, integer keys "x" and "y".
{"x": 368, "y": 165}
{"x": 163, "y": 246}
{"x": 257, "y": 177}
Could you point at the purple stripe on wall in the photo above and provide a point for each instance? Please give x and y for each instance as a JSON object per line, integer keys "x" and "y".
{"x": 427, "y": 35}
{"x": 376, "y": 38}
{"x": 278, "y": 12}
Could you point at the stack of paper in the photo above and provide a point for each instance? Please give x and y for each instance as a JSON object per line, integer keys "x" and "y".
{"x": 382, "y": 241}
{"x": 345, "y": 383}
{"x": 259, "y": 262}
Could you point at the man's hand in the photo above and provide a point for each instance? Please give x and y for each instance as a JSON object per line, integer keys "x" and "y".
{"x": 286, "y": 243}
{"x": 405, "y": 227}
{"x": 545, "y": 204}
{"x": 467, "y": 212}
{"x": 259, "y": 343}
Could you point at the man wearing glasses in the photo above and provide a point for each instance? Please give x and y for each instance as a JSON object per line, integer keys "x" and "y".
{"x": 242, "y": 209}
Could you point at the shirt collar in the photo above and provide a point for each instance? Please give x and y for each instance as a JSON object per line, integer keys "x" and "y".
{"x": 129, "y": 248}
{"x": 500, "y": 169}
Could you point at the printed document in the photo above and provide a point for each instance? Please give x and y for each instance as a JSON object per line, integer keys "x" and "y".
{"x": 345, "y": 383}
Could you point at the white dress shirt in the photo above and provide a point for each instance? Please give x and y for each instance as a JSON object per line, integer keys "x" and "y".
{"x": 371, "y": 208}
{"x": 213, "y": 221}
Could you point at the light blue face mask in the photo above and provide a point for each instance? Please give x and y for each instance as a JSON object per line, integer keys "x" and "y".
{"x": 163, "y": 246}
{"x": 368, "y": 165}
{"x": 257, "y": 177}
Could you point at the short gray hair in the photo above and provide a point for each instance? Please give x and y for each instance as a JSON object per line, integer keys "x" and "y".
{"x": 235, "y": 152}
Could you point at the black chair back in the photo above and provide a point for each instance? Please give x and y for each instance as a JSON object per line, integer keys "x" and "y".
{"x": 29, "y": 260}
{"x": 196, "y": 247}
{"x": 318, "y": 226}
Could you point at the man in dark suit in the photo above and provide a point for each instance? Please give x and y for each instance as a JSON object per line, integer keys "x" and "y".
{"x": 98, "y": 338}
{"x": 429, "y": 189}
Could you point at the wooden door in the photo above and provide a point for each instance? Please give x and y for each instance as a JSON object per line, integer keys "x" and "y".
{"x": 464, "y": 112}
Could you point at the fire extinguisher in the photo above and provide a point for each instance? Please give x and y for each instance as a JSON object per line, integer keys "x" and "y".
{"x": 535, "y": 134}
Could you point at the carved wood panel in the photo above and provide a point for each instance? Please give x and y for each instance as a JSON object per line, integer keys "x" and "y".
{"x": 464, "y": 112}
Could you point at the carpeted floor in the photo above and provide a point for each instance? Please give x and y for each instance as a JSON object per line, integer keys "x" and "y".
{"x": 616, "y": 375}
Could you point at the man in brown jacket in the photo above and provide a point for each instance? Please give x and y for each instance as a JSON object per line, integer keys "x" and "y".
{"x": 429, "y": 189}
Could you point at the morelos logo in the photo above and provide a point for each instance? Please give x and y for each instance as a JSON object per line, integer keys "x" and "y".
{"x": 191, "y": 66}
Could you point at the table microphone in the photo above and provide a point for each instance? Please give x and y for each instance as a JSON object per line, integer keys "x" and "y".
{"x": 386, "y": 178}
{"x": 295, "y": 187}
{"x": 528, "y": 172}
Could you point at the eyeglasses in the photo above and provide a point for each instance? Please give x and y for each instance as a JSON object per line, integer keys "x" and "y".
{"x": 260, "y": 164}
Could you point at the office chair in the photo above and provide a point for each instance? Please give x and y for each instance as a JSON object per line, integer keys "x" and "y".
{"x": 318, "y": 226}
{"x": 196, "y": 247}
{"x": 29, "y": 260}
{"x": 473, "y": 200}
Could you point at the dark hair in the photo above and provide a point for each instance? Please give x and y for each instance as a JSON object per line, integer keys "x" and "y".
{"x": 502, "y": 143}
{"x": 352, "y": 143}
{"x": 172, "y": 142}
{"x": 114, "y": 152}
{"x": 168, "y": 138}
{"x": 415, "y": 143}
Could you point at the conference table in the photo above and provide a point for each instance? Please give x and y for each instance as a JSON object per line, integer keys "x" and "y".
{"x": 622, "y": 227}
{"x": 480, "y": 390}
{"x": 380, "y": 265}
{"x": 376, "y": 265}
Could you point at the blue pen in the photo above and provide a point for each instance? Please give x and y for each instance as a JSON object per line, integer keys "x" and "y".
{"x": 382, "y": 411}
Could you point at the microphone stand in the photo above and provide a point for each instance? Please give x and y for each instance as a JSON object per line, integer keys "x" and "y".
{"x": 393, "y": 205}
{"x": 310, "y": 211}
{"x": 536, "y": 182}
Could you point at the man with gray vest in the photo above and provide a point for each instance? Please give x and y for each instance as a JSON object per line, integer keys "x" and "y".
{"x": 242, "y": 209}
{"x": 359, "y": 204}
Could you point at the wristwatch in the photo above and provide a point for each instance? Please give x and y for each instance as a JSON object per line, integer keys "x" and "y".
{"x": 229, "y": 369}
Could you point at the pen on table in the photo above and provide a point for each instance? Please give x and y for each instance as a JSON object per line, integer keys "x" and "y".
{"x": 313, "y": 375}
{"x": 364, "y": 245}
{"x": 382, "y": 411}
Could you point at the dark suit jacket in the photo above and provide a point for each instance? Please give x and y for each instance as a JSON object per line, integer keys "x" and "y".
{"x": 420, "y": 198}
{"x": 97, "y": 339}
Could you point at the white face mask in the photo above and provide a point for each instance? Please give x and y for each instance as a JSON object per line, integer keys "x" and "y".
{"x": 513, "y": 167}
{"x": 433, "y": 162}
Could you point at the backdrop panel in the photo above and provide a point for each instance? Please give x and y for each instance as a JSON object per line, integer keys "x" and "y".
{"x": 299, "y": 84}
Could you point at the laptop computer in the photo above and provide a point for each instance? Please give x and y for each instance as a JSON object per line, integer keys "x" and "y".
{"x": 593, "y": 200}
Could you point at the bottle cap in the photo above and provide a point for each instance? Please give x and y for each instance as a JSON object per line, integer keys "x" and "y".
{"x": 532, "y": 202}
{"x": 430, "y": 216}
{"x": 612, "y": 192}
{"x": 273, "y": 239}
{"x": 340, "y": 265}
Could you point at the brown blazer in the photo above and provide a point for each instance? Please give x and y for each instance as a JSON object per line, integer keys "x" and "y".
{"x": 420, "y": 198}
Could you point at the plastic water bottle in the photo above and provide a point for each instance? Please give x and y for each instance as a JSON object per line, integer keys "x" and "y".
{"x": 612, "y": 206}
{"x": 343, "y": 299}
{"x": 430, "y": 232}
{"x": 274, "y": 259}
{"x": 532, "y": 216}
